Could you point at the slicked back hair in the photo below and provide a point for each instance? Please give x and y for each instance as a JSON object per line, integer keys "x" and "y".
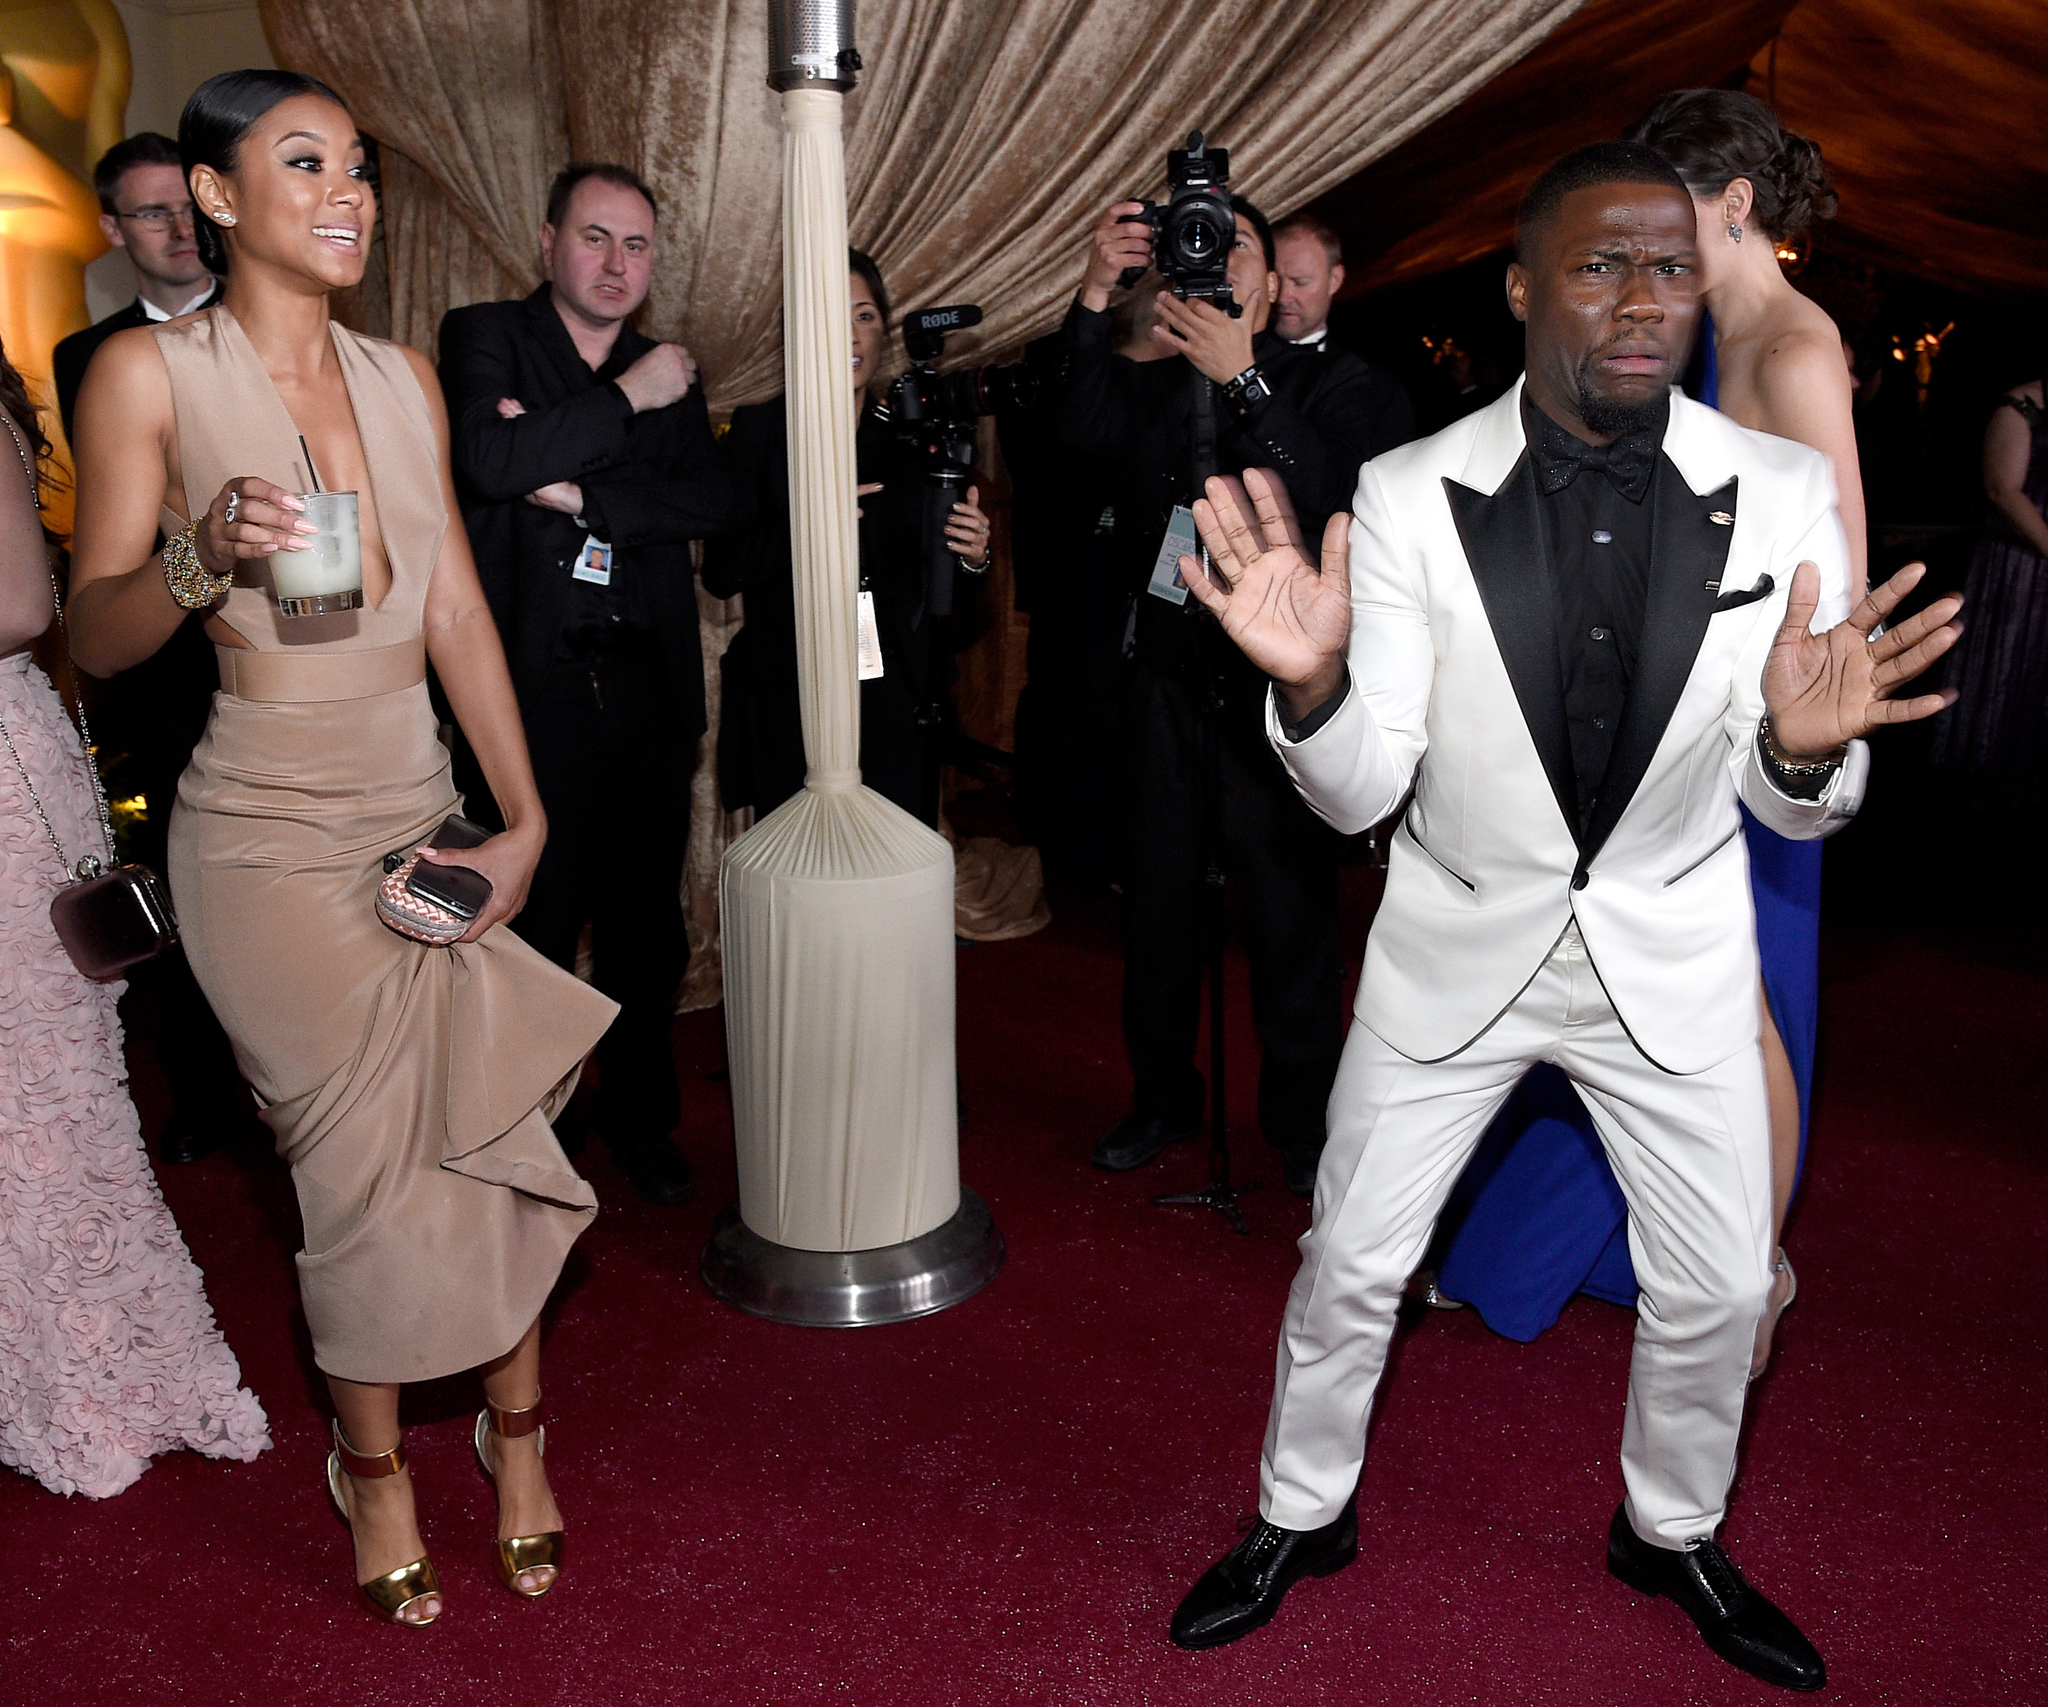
{"x": 1582, "y": 169}
{"x": 219, "y": 114}
{"x": 621, "y": 177}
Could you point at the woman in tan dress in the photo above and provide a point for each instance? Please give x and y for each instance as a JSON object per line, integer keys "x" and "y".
{"x": 409, "y": 1087}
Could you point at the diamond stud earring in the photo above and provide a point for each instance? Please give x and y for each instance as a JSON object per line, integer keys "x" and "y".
{"x": 229, "y": 219}
{"x": 1734, "y": 233}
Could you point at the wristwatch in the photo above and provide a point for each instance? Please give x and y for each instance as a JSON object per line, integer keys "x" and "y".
{"x": 1248, "y": 391}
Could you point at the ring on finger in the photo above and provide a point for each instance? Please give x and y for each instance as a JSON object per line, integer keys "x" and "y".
{"x": 234, "y": 504}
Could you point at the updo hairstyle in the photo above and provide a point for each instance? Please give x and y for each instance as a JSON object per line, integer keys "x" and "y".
{"x": 222, "y": 111}
{"x": 1714, "y": 136}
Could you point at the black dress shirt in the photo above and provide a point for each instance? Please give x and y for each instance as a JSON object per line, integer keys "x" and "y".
{"x": 1598, "y": 522}
{"x": 604, "y": 616}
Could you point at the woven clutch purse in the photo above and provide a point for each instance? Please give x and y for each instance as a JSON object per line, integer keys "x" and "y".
{"x": 414, "y": 915}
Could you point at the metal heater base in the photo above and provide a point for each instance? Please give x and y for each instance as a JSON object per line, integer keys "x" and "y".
{"x": 854, "y": 1289}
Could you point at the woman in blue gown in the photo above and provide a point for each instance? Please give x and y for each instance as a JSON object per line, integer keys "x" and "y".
{"x": 1538, "y": 1216}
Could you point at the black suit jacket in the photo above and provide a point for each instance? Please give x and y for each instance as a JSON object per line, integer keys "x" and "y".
{"x": 652, "y": 482}
{"x": 73, "y": 355}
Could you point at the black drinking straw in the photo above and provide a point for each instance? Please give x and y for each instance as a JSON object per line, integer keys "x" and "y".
{"x": 310, "y": 469}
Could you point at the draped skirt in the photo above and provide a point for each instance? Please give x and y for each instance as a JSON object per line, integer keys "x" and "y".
{"x": 410, "y": 1087}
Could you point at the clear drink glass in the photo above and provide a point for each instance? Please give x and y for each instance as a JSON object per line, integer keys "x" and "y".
{"x": 328, "y": 575}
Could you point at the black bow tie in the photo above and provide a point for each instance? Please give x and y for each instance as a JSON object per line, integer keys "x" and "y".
{"x": 1561, "y": 457}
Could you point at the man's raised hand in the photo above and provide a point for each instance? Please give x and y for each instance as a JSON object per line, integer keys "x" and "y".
{"x": 1289, "y": 616}
{"x": 1825, "y": 689}
{"x": 1114, "y": 246}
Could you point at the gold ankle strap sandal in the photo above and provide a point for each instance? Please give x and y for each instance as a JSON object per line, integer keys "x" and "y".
{"x": 519, "y": 1552}
{"x": 389, "y": 1595}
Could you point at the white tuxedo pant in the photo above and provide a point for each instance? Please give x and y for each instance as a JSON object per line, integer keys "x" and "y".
{"x": 1692, "y": 1155}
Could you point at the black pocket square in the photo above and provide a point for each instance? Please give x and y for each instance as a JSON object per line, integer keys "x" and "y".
{"x": 1763, "y": 589}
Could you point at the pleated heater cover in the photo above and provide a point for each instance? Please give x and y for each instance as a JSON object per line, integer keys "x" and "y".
{"x": 837, "y": 908}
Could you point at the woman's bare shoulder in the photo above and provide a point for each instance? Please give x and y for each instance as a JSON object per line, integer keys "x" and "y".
{"x": 131, "y": 366}
{"x": 1800, "y": 329}
{"x": 1803, "y": 354}
{"x": 133, "y": 353}
{"x": 429, "y": 383}
{"x": 423, "y": 370}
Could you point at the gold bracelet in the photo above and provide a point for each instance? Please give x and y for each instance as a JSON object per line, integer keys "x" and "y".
{"x": 1786, "y": 765}
{"x": 191, "y": 583}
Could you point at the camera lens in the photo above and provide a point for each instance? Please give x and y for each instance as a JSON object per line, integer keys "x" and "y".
{"x": 1012, "y": 387}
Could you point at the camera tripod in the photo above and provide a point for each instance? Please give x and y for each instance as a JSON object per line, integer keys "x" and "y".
{"x": 1220, "y": 1194}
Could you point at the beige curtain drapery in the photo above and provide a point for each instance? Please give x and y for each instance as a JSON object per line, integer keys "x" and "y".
{"x": 985, "y": 140}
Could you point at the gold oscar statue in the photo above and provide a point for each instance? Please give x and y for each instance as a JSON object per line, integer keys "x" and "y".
{"x": 64, "y": 77}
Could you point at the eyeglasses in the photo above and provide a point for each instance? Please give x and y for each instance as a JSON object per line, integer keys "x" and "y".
{"x": 159, "y": 218}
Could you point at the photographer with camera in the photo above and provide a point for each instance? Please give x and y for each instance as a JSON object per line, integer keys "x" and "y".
{"x": 760, "y": 742}
{"x": 1312, "y": 416}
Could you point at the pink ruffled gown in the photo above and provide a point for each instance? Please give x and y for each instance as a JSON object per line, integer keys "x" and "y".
{"x": 108, "y": 1349}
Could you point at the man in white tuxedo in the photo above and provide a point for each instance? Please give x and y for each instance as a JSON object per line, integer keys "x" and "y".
{"x": 1581, "y": 623}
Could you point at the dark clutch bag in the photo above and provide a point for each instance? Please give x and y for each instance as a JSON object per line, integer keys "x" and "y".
{"x": 110, "y": 923}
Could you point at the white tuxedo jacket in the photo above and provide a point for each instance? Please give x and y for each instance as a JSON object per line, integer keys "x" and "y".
{"x": 1456, "y": 688}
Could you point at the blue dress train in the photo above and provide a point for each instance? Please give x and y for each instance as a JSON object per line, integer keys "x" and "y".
{"x": 1537, "y": 1215}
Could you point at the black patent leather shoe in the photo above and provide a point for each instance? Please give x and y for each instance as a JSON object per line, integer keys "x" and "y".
{"x": 656, "y": 1170}
{"x": 186, "y": 1141}
{"x": 1133, "y": 1142}
{"x": 1244, "y": 1588}
{"x": 1740, "y": 1625}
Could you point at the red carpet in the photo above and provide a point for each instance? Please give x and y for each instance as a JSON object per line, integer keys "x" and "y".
{"x": 1003, "y": 1504}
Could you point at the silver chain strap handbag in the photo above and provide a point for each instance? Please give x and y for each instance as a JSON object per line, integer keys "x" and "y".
{"x": 107, "y": 920}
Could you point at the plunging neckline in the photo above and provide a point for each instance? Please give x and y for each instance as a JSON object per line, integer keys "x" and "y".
{"x": 355, "y": 419}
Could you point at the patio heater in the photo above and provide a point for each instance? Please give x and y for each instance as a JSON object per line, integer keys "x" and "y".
{"x": 837, "y": 908}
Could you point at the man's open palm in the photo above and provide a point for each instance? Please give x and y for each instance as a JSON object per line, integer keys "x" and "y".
{"x": 1825, "y": 689}
{"x": 1289, "y": 616}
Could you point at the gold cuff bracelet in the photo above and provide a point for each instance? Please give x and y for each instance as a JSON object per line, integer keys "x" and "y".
{"x": 191, "y": 583}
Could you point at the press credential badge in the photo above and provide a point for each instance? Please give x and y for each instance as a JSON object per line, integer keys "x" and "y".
{"x": 1180, "y": 541}
{"x": 594, "y": 562}
{"x": 868, "y": 639}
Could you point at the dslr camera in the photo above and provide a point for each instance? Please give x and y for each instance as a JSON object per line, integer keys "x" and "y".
{"x": 938, "y": 415}
{"x": 1193, "y": 234}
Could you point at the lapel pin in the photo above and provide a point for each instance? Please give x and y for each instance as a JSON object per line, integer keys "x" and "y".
{"x": 1721, "y": 519}
{"x": 1713, "y": 586}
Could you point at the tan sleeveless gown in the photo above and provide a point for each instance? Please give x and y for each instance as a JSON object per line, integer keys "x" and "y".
{"x": 409, "y": 1087}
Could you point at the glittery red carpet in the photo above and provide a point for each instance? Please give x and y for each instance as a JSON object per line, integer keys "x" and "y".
{"x": 1002, "y": 1504}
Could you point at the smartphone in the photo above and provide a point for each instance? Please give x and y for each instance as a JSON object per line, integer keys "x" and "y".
{"x": 464, "y": 892}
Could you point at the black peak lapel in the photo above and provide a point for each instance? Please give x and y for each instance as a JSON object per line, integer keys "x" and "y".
{"x": 1503, "y": 539}
{"x": 1688, "y": 551}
